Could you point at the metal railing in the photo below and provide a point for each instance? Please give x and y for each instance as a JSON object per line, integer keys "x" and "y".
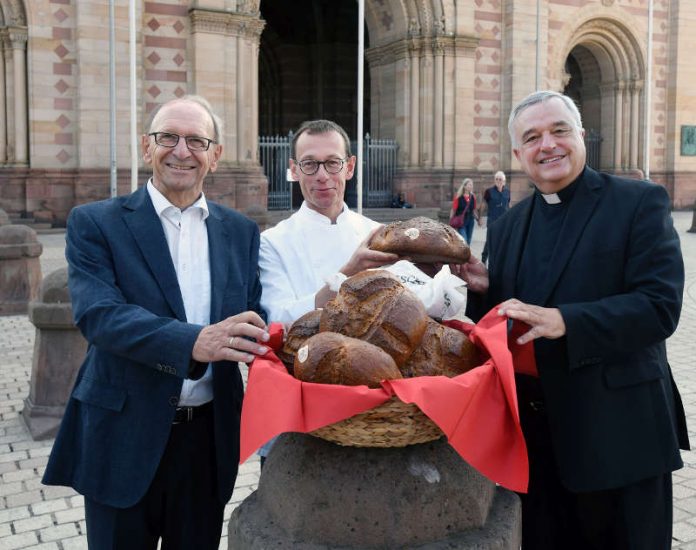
{"x": 379, "y": 166}
{"x": 274, "y": 152}
{"x": 593, "y": 145}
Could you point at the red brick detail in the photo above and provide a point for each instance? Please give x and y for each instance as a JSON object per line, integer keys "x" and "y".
{"x": 61, "y": 51}
{"x": 63, "y": 103}
{"x": 63, "y": 139}
{"x": 165, "y": 42}
{"x": 488, "y": 16}
{"x": 60, "y": 15}
{"x": 62, "y": 68}
{"x": 166, "y": 9}
{"x": 486, "y": 147}
{"x": 168, "y": 76}
{"x": 62, "y": 121}
{"x": 480, "y": 95}
{"x": 489, "y": 43}
{"x": 483, "y": 68}
{"x": 60, "y": 33}
{"x": 63, "y": 156}
{"x": 153, "y": 58}
{"x": 61, "y": 86}
{"x": 486, "y": 121}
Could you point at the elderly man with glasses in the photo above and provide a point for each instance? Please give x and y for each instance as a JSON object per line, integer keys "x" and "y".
{"x": 165, "y": 289}
{"x": 304, "y": 259}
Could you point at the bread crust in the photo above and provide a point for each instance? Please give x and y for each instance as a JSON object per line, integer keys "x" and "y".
{"x": 374, "y": 306}
{"x": 305, "y": 326}
{"x": 422, "y": 240}
{"x": 332, "y": 358}
{"x": 443, "y": 351}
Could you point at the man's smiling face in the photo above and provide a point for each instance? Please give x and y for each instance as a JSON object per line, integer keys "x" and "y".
{"x": 323, "y": 191}
{"x": 177, "y": 172}
{"x": 548, "y": 145}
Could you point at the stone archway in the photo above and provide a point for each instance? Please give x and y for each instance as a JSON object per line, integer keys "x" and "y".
{"x": 13, "y": 84}
{"x": 421, "y": 61}
{"x": 602, "y": 67}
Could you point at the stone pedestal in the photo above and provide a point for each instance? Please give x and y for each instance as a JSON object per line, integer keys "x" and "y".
{"x": 59, "y": 349}
{"x": 20, "y": 270}
{"x": 314, "y": 495}
{"x": 4, "y": 218}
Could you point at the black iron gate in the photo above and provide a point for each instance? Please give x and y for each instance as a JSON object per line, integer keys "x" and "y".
{"x": 379, "y": 166}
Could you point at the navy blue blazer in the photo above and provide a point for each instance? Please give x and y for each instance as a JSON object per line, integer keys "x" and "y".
{"x": 617, "y": 277}
{"x": 127, "y": 302}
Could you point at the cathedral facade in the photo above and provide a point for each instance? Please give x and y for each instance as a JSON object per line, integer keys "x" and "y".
{"x": 441, "y": 79}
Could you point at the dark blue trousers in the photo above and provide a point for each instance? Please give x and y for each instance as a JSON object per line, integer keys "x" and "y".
{"x": 181, "y": 506}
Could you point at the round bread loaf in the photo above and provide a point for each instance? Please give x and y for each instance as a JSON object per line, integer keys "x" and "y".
{"x": 443, "y": 351}
{"x": 422, "y": 240}
{"x": 374, "y": 306}
{"x": 305, "y": 326}
{"x": 331, "y": 358}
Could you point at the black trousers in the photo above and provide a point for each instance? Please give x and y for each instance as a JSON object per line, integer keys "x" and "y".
{"x": 181, "y": 506}
{"x": 634, "y": 517}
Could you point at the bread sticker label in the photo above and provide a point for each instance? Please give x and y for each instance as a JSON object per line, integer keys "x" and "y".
{"x": 412, "y": 233}
{"x": 302, "y": 353}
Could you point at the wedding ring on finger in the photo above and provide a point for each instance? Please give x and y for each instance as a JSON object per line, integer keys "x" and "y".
{"x": 231, "y": 342}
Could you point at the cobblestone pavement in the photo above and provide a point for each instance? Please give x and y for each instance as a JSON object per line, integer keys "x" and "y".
{"x": 52, "y": 518}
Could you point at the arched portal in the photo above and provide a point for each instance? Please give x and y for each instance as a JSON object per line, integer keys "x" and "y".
{"x": 603, "y": 71}
{"x": 13, "y": 84}
{"x": 308, "y": 65}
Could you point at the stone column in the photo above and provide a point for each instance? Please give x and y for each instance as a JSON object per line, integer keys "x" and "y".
{"x": 59, "y": 349}
{"x": 414, "y": 120}
{"x": 635, "y": 123}
{"x": 3, "y": 99}
{"x": 18, "y": 38}
{"x": 9, "y": 113}
{"x": 618, "y": 125}
{"x": 315, "y": 495}
{"x": 20, "y": 270}
{"x": 225, "y": 71}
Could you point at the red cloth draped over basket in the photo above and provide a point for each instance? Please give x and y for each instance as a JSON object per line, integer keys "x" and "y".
{"x": 477, "y": 410}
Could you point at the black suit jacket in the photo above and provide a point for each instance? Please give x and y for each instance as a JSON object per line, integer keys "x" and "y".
{"x": 127, "y": 302}
{"x": 617, "y": 277}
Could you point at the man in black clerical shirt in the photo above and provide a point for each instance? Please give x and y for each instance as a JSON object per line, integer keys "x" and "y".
{"x": 592, "y": 266}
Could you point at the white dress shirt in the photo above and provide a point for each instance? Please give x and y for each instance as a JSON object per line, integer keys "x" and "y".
{"x": 297, "y": 254}
{"x": 187, "y": 237}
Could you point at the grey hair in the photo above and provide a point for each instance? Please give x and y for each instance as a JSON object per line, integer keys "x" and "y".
{"x": 198, "y": 100}
{"x": 540, "y": 97}
{"x": 320, "y": 126}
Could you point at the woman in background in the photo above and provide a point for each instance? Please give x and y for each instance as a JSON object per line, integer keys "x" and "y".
{"x": 465, "y": 201}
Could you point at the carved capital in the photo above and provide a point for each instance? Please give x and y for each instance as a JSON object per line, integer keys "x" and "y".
{"x": 228, "y": 24}
{"x": 17, "y": 37}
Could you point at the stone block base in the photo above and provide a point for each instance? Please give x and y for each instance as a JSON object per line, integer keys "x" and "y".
{"x": 314, "y": 495}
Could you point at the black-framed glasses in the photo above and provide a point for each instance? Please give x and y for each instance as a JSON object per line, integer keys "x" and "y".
{"x": 194, "y": 143}
{"x": 310, "y": 167}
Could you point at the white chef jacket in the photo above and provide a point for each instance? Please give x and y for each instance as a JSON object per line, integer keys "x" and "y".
{"x": 298, "y": 253}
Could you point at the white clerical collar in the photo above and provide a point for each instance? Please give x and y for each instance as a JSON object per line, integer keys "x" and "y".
{"x": 551, "y": 198}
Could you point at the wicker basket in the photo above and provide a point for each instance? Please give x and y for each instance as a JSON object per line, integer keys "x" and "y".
{"x": 392, "y": 424}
